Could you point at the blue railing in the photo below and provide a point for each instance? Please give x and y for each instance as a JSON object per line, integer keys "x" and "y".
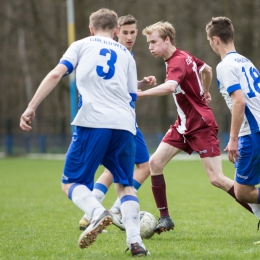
{"x": 25, "y": 143}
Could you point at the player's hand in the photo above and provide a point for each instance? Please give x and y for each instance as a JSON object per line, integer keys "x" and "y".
{"x": 26, "y": 119}
{"x": 149, "y": 81}
{"x": 232, "y": 149}
{"x": 207, "y": 97}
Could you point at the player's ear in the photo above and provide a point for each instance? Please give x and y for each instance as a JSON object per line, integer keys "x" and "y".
{"x": 215, "y": 40}
{"x": 116, "y": 31}
{"x": 136, "y": 31}
{"x": 167, "y": 39}
{"x": 91, "y": 29}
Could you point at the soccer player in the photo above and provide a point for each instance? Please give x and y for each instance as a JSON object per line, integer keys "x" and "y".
{"x": 126, "y": 36}
{"x": 195, "y": 129}
{"x": 105, "y": 125}
{"x": 239, "y": 83}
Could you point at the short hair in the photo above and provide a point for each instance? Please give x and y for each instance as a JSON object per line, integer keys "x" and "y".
{"x": 104, "y": 19}
{"x": 221, "y": 27}
{"x": 127, "y": 19}
{"x": 164, "y": 28}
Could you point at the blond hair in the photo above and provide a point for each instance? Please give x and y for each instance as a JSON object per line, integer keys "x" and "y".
{"x": 164, "y": 28}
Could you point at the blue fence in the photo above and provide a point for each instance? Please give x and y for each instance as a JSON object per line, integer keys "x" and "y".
{"x": 19, "y": 144}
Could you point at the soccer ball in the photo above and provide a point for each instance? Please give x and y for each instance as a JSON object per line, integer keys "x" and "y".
{"x": 148, "y": 223}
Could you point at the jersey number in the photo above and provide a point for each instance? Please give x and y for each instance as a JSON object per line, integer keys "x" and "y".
{"x": 255, "y": 75}
{"x": 107, "y": 71}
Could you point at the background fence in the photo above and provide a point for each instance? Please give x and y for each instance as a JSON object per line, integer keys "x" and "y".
{"x": 25, "y": 143}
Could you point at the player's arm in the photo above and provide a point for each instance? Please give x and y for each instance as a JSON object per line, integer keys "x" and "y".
{"x": 147, "y": 81}
{"x": 46, "y": 86}
{"x": 206, "y": 78}
{"x": 164, "y": 89}
{"x": 238, "y": 111}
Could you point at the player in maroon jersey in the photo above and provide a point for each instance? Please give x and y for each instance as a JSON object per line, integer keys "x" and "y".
{"x": 195, "y": 129}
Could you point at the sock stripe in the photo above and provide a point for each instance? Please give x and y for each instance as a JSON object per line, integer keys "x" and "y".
{"x": 72, "y": 187}
{"x": 137, "y": 184}
{"x": 101, "y": 187}
{"x": 129, "y": 197}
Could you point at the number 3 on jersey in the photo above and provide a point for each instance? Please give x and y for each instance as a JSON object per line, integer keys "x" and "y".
{"x": 110, "y": 63}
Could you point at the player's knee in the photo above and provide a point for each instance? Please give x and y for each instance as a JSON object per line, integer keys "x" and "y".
{"x": 215, "y": 182}
{"x": 65, "y": 188}
{"x": 155, "y": 165}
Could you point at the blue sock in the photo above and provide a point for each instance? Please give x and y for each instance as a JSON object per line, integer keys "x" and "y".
{"x": 137, "y": 185}
{"x": 258, "y": 201}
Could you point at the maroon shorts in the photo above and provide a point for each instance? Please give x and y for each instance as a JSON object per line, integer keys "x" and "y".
{"x": 204, "y": 142}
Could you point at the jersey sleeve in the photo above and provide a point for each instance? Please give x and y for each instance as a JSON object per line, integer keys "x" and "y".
{"x": 132, "y": 79}
{"x": 176, "y": 70}
{"x": 70, "y": 57}
{"x": 228, "y": 76}
{"x": 200, "y": 64}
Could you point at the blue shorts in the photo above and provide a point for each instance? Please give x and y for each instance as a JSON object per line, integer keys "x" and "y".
{"x": 89, "y": 147}
{"x": 248, "y": 165}
{"x": 142, "y": 154}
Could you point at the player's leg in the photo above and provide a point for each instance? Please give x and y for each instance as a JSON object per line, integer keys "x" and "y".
{"x": 172, "y": 143}
{"x": 78, "y": 178}
{"x": 207, "y": 145}
{"x": 158, "y": 160}
{"x": 213, "y": 168}
{"x": 130, "y": 216}
{"x": 247, "y": 193}
{"x": 102, "y": 185}
{"x": 140, "y": 175}
{"x": 100, "y": 189}
{"x": 247, "y": 171}
{"x": 142, "y": 170}
{"x": 119, "y": 159}
{"x": 142, "y": 157}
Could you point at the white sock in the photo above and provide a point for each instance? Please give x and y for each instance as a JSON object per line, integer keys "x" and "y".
{"x": 86, "y": 201}
{"x": 117, "y": 205}
{"x": 131, "y": 220}
{"x": 256, "y": 209}
{"x": 100, "y": 195}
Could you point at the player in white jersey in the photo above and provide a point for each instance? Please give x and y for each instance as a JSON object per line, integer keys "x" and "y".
{"x": 105, "y": 125}
{"x": 239, "y": 83}
{"x": 126, "y": 36}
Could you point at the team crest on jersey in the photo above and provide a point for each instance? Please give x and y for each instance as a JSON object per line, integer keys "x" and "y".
{"x": 189, "y": 60}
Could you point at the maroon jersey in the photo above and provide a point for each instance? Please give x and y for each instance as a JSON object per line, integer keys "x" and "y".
{"x": 193, "y": 112}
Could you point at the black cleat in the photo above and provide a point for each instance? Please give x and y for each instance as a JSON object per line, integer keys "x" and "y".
{"x": 165, "y": 223}
{"x": 138, "y": 250}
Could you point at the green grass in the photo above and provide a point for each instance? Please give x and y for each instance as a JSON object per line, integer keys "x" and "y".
{"x": 38, "y": 222}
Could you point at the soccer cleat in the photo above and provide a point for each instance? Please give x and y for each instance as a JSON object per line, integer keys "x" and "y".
{"x": 117, "y": 220}
{"x": 83, "y": 224}
{"x": 95, "y": 227}
{"x": 138, "y": 250}
{"x": 165, "y": 223}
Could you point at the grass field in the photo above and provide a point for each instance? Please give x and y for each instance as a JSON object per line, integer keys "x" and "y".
{"x": 38, "y": 222}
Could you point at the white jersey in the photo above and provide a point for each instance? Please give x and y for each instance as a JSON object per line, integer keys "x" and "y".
{"x": 236, "y": 72}
{"x": 106, "y": 79}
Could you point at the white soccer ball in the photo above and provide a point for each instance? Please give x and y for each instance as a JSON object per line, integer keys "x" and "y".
{"x": 148, "y": 223}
